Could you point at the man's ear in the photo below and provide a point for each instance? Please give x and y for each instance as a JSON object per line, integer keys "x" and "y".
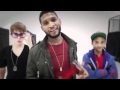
{"x": 60, "y": 21}
{"x": 92, "y": 42}
{"x": 41, "y": 27}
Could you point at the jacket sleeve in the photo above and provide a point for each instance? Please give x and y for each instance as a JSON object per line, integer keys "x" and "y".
{"x": 112, "y": 70}
{"x": 93, "y": 74}
{"x": 31, "y": 71}
{"x": 75, "y": 53}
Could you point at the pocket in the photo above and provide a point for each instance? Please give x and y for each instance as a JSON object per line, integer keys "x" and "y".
{"x": 42, "y": 68}
{"x": 41, "y": 65}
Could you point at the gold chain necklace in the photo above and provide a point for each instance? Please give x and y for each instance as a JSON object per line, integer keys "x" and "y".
{"x": 14, "y": 64}
{"x": 61, "y": 66}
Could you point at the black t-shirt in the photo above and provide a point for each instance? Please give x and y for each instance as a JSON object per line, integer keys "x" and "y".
{"x": 6, "y": 60}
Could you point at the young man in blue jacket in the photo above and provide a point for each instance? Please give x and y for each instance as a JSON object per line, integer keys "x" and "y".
{"x": 99, "y": 63}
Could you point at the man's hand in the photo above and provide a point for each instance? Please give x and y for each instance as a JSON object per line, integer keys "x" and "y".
{"x": 2, "y": 72}
{"x": 83, "y": 74}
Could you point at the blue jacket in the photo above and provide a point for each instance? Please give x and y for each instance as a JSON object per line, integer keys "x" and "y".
{"x": 109, "y": 70}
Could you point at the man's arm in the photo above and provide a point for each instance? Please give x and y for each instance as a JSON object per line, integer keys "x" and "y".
{"x": 112, "y": 70}
{"x": 2, "y": 72}
{"x": 3, "y": 63}
{"x": 96, "y": 74}
{"x": 31, "y": 71}
{"x": 93, "y": 74}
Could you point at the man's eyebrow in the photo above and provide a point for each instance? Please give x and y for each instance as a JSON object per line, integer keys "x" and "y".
{"x": 96, "y": 41}
{"x": 44, "y": 21}
{"x": 50, "y": 19}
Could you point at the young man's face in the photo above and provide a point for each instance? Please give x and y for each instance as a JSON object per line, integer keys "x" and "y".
{"x": 51, "y": 25}
{"x": 99, "y": 44}
{"x": 18, "y": 37}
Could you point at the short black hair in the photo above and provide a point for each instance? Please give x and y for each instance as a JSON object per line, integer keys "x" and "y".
{"x": 44, "y": 12}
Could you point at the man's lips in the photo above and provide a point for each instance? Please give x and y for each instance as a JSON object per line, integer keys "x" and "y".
{"x": 19, "y": 41}
{"x": 53, "y": 31}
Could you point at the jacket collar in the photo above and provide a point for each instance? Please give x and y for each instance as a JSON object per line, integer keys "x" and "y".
{"x": 92, "y": 56}
{"x": 68, "y": 40}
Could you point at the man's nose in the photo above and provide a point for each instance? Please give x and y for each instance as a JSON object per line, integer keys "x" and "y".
{"x": 51, "y": 24}
{"x": 99, "y": 45}
{"x": 18, "y": 37}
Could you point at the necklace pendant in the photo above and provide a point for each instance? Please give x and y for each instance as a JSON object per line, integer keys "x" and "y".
{"x": 15, "y": 68}
{"x": 61, "y": 69}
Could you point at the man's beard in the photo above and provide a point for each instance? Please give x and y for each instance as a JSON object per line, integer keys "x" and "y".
{"x": 59, "y": 32}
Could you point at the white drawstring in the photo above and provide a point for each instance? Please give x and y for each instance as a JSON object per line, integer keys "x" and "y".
{"x": 93, "y": 63}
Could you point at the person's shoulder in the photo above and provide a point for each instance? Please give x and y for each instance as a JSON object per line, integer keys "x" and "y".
{"x": 67, "y": 38}
{"x": 36, "y": 46}
{"x": 86, "y": 55}
{"x": 7, "y": 48}
{"x": 36, "y": 49}
{"x": 26, "y": 47}
{"x": 111, "y": 56}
